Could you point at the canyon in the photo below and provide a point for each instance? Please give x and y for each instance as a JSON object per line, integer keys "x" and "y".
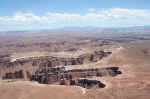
{"x": 64, "y": 67}
{"x": 51, "y": 69}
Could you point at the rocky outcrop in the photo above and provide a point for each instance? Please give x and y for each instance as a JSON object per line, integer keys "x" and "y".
{"x": 62, "y": 76}
{"x": 14, "y": 75}
{"x": 31, "y": 65}
{"x": 86, "y": 83}
{"x": 51, "y": 70}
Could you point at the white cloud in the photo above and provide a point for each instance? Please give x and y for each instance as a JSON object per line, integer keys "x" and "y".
{"x": 92, "y": 9}
{"x": 129, "y": 13}
{"x": 101, "y": 18}
{"x": 20, "y": 17}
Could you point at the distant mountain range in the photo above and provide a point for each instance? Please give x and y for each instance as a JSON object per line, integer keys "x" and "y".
{"x": 104, "y": 28}
{"x": 141, "y": 27}
{"x": 88, "y": 28}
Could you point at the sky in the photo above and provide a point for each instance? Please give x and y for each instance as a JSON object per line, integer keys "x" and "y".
{"x": 54, "y": 14}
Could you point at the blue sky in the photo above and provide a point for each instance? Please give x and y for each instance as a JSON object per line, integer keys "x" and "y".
{"x": 50, "y": 14}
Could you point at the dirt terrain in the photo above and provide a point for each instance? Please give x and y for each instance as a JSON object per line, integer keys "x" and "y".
{"x": 132, "y": 59}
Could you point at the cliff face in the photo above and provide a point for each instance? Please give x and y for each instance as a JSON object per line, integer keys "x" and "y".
{"x": 57, "y": 75}
{"x": 22, "y": 68}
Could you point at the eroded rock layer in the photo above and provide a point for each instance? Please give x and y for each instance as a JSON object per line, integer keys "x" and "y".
{"x": 52, "y": 70}
{"x": 31, "y": 65}
{"x": 77, "y": 77}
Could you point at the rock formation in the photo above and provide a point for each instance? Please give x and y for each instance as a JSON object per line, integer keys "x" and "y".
{"x": 51, "y": 70}
{"x": 31, "y": 65}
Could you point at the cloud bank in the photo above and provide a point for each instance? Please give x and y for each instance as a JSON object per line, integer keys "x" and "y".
{"x": 114, "y": 17}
